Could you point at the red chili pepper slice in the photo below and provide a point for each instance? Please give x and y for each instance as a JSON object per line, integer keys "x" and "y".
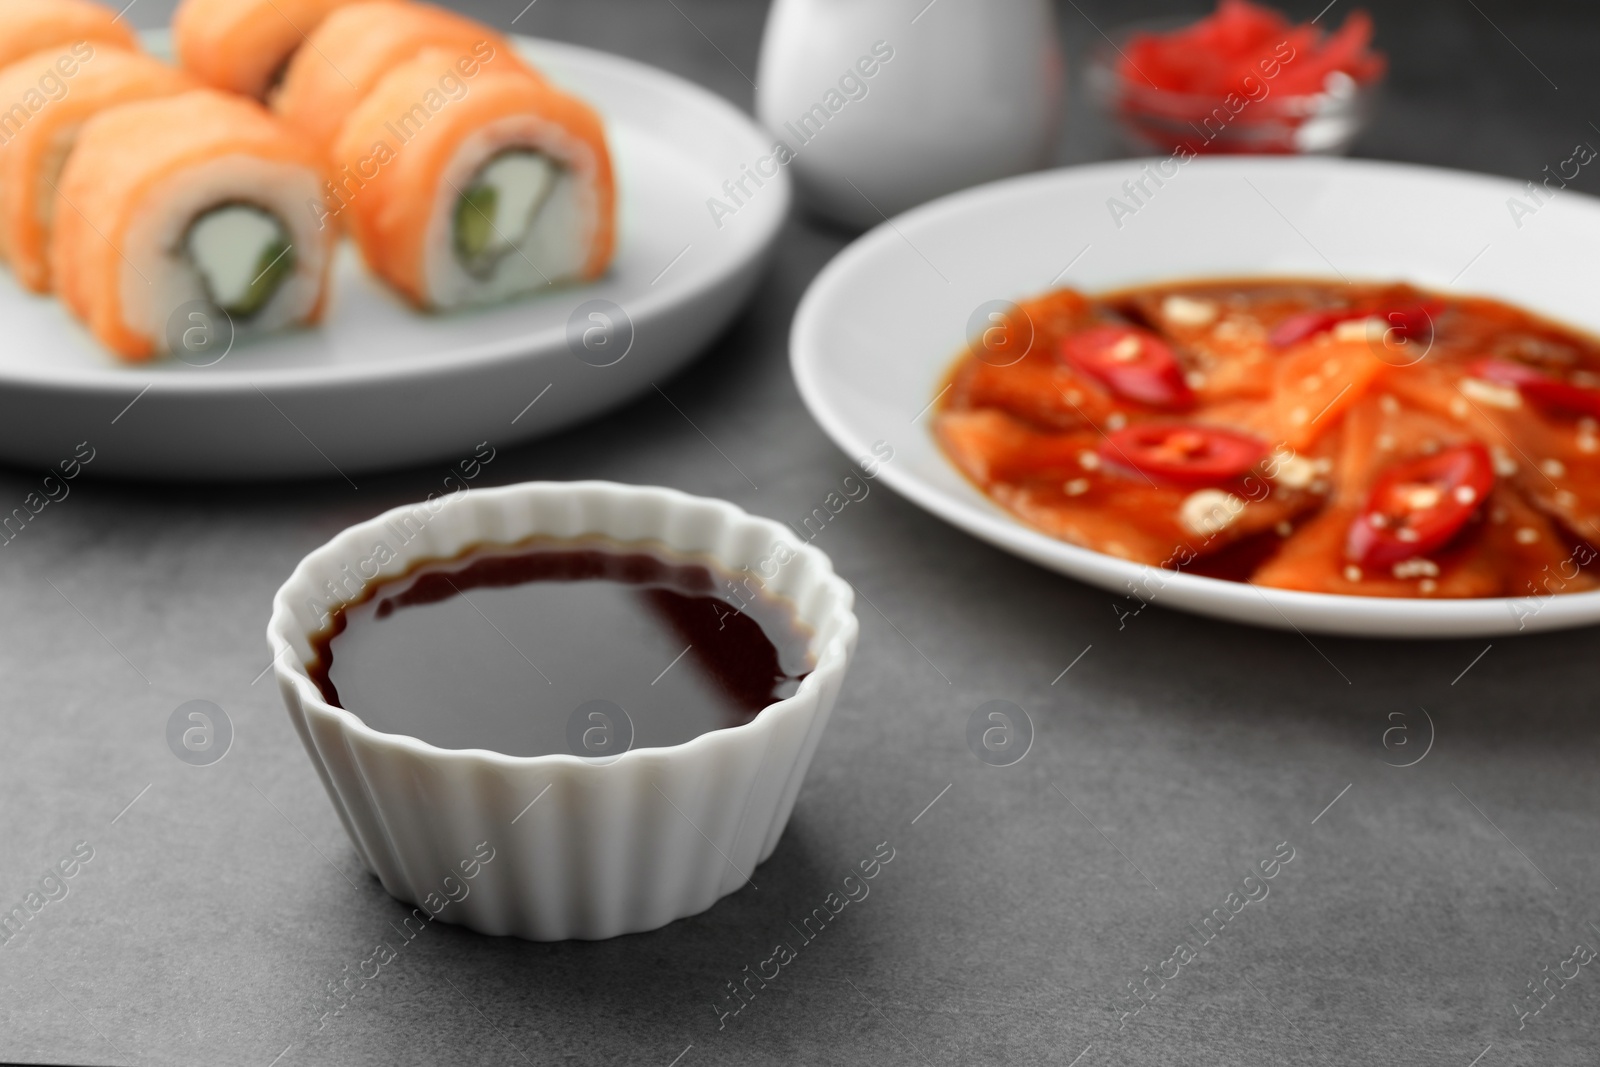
{"x": 1418, "y": 506}
{"x": 1134, "y": 364}
{"x": 1183, "y": 453}
{"x": 1415, "y": 320}
{"x": 1543, "y": 389}
{"x": 1296, "y": 328}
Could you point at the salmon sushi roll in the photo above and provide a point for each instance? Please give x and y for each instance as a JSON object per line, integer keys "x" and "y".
{"x": 192, "y": 200}
{"x": 470, "y": 190}
{"x": 244, "y": 46}
{"x": 26, "y": 26}
{"x": 358, "y": 44}
{"x": 33, "y": 158}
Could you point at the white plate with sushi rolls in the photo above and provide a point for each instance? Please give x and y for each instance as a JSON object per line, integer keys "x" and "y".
{"x": 418, "y": 237}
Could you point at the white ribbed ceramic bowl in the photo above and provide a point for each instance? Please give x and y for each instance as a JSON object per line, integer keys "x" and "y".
{"x": 615, "y": 848}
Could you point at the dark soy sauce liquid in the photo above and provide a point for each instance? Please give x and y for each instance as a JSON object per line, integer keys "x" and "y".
{"x": 518, "y": 649}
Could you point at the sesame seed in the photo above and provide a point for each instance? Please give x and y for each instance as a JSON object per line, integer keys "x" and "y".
{"x": 1466, "y": 495}
{"x": 1089, "y": 461}
{"x": 1553, "y": 468}
{"x": 1116, "y": 420}
{"x": 1359, "y": 329}
{"x": 1421, "y": 497}
{"x": 1416, "y": 568}
{"x": 1186, "y": 311}
{"x": 1206, "y": 512}
{"x": 1352, "y": 573}
{"x": 1505, "y": 397}
{"x": 1126, "y": 350}
{"x": 1427, "y": 585}
{"x": 1527, "y": 535}
{"x": 1077, "y": 487}
{"x": 1295, "y": 473}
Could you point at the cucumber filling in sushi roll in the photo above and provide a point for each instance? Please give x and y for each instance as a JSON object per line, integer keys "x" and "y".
{"x": 242, "y": 255}
{"x": 511, "y": 216}
{"x": 517, "y": 226}
{"x": 499, "y": 210}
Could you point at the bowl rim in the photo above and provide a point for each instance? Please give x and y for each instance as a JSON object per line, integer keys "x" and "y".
{"x": 1334, "y": 613}
{"x": 832, "y": 655}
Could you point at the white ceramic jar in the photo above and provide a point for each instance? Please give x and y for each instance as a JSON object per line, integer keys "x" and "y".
{"x": 883, "y": 104}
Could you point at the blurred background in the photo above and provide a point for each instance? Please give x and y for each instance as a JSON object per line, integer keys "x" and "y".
{"x": 1498, "y": 86}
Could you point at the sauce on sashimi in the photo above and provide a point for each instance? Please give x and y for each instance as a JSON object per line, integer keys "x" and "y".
{"x": 1362, "y": 439}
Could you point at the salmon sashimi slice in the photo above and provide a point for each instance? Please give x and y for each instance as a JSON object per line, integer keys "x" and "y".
{"x": 1057, "y": 314}
{"x": 1225, "y": 351}
{"x": 1507, "y": 537}
{"x": 1552, "y": 457}
{"x": 1315, "y": 383}
{"x": 991, "y": 446}
{"x": 1015, "y": 366}
{"x": 1379, "y": 431}
{"x": 1037, "y": 389}
{"x": 1059, "y": 483}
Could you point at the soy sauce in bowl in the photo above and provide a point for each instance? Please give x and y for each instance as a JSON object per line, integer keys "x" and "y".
{"x": 587, "y": 648}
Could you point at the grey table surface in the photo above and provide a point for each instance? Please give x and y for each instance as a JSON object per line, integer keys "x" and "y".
{"x": 1421, "y": 902}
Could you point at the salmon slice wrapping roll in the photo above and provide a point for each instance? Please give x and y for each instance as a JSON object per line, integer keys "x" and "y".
{"x": 244, "y": 46}
{"x": 33, "y": 157}
{"x": 357, "y": 45}
{"x": 195, "y": 200}
{"x": 26, "y": 26}
{"x": 469, "y": 189}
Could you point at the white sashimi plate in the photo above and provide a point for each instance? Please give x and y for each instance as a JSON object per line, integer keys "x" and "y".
{"x": 882, "y": 323}
{"x": 379, "y": 385}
